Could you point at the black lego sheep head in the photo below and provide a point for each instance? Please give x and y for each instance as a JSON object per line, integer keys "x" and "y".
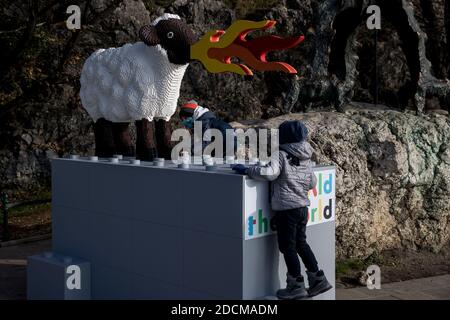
{"x": 175, "y": 36}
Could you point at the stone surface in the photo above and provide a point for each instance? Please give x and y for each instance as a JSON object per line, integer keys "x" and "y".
{"x": 50, "y": 119}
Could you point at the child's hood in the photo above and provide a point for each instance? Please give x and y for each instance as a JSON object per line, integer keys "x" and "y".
{"x": 301, "y": 150}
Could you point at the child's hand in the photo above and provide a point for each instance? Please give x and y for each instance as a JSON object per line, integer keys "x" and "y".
{"x": 240, "y": 168}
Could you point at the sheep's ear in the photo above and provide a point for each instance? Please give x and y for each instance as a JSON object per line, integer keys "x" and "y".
{"x": 149, "y": 35}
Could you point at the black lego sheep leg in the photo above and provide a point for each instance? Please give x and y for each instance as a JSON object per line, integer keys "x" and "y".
{"x": 104, "y": 140}
{"x": 145, "y": 140}
{"x": 122, "y": 139}
{"x": 163, "y": 134}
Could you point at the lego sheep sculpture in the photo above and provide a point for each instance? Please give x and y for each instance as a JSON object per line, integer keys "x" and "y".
{"x": 137, "y": 82}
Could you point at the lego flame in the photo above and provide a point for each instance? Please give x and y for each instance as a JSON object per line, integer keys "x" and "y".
{"x": 215, "y": 49}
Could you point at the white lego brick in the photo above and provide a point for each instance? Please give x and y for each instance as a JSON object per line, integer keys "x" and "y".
{"x": 112, "y": 247}
{"x": 260, "y": 267}
{"x": 321, "y": 238}
{"x": 212, "y": 264}
{"x": 110, "y": 191}
{"x": 157, "y": 251}
{"x": 52, "y": 276}
{"x": 156, "y": 196}
{"x": 72, "y": 232}
{"x": 110, "y": 283}
{"x": 212, "y": 202}
{"x": 164, "y": 232}
{"x": 70, "y": 183}
{"x": 145, "y": 288}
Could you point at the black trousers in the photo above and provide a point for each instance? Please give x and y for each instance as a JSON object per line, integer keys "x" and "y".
{"x": 291, "y": 231}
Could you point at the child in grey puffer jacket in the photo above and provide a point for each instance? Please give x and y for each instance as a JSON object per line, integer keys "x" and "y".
{"x": 291, "y": 175}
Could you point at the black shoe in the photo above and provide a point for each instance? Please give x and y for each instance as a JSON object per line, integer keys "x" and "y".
{"x": 318, "y": 283}
{"x": 295, "y": 289}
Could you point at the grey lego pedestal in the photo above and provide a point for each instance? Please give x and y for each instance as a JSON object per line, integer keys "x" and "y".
{"x": 154, "y": 232}
{"x": 50, "y": 277}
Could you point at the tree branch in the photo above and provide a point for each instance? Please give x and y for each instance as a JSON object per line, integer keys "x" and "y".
{"x": 27, "y": 35}
{"x": 73, "y": 40}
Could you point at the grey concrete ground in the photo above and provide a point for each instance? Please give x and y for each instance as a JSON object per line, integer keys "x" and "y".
{"x": 13, "y": 264}
{"x": 432, "y": 288}
{"x": 13, "y": 280}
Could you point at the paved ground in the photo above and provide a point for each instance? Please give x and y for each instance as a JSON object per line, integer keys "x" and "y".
{"x": 13, "y": 264}
{"x": 13, "y": 280}
{"x": 432, "y": 288}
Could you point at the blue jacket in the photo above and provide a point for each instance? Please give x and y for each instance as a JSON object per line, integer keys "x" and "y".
{"x": 210, "y": 121}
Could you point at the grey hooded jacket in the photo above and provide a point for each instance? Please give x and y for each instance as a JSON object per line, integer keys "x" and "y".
{"x": 289, "y": 183}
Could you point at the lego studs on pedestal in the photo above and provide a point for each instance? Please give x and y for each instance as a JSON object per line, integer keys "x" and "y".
{"x": 211, "y": 167}
{"x": 184, "y": 160}
{"x": 229, "y": 160}
{"x": 158, "y": 162}
{"x": 183, "y": 165}
{"x": 207, "y": 160}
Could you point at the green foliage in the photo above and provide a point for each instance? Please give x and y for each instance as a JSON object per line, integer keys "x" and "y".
{"x": 345, "y": 267}
{"x": 29, "y": 209}
{"x": 36, "y": 203}
{"x": 349, "y": 266}
{"x": 22, "y": 195}
{"x": 374, "y": 258}
{"x": 39, "y": 59}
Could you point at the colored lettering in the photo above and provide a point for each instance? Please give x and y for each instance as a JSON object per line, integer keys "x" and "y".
{"x": 250, "y": 225}
{"x": 313, "y": 214}
{"x": 320, "y": 184}
{"x": 314, "y": 191}
{"x": 328, "y": 211}
{"x": 328, "y": 184}
{"x": 262, "y": 222}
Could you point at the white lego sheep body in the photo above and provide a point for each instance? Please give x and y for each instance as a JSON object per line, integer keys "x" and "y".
{"x": 137, "y": 82}
{"x": 129, "y": 83}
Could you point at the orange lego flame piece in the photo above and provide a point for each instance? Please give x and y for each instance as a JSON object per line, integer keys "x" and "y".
{"x": 217, "y": 47}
